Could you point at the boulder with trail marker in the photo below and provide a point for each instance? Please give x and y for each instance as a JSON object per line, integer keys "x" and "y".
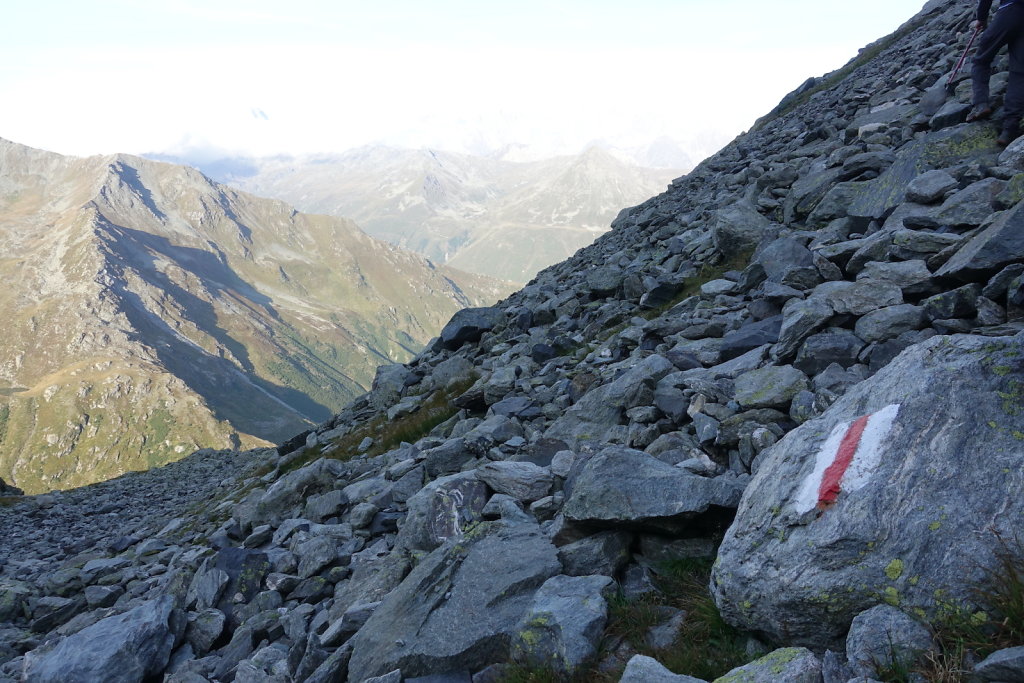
{"x": 897, "y": 494}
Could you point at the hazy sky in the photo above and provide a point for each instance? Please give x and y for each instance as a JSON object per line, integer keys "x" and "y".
{"x": 300, "y": 76}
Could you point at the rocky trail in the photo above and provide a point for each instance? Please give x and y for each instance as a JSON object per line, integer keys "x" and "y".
{"x": 802, "y": 365}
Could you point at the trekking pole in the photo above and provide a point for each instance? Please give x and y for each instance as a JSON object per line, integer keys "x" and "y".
{"x": 963, "y": 58}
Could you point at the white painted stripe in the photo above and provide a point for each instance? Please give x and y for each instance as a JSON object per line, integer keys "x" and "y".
{"x": 865, "y": 460}
{"x": 869, "y": 454}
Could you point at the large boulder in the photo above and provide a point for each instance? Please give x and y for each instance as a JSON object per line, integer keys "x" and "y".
{"x": 442, "y": 509}
{"x": 998, "y": 245}
{"x": 460, "y": 607}
{"x": 468, "y": 325}
{"x": 647, "y": 493}
{"x": 132, "y": 646}
{"x": 738, "y": 228}
{"x": 895, "y": 494}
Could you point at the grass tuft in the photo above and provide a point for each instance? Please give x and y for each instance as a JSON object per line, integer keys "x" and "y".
{"x": 388, "y": 434}
{"x": 691, "y": 285}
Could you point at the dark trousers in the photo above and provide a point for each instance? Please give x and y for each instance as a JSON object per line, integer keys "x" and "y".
{"x": 1006, "y": 28}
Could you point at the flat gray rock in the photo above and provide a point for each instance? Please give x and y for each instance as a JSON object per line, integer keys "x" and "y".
{"x": 459, "y": 608}
{"x": 128, "y": 647}
{"x": 647, "y": 493}
{"x": 773, "y": 386}
{"x": 996, "y": 246}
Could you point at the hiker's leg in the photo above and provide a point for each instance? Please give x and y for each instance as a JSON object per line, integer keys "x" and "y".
{"x": 1013, "y": 101}
{"x": 1013, "y": 107}
{"x": 989, "y": 44}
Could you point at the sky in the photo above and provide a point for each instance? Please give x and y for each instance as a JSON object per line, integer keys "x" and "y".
{"x": 209, "y": 78}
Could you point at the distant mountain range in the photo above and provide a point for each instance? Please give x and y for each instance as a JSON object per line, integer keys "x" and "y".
{"x": 149, "y": 310}
{"x": 489, "y": 215}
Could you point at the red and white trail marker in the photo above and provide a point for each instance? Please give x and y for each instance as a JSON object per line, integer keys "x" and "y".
{"x": 847, "y": 459}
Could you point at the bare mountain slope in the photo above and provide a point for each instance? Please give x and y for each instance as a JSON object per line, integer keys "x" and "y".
{"x": 149, "y": 310}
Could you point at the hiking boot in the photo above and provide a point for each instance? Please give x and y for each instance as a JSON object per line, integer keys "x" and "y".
{"x": 979, "y": 113}
{"x": 1011, "y": 131}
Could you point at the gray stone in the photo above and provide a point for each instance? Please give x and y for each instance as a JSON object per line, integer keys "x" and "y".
{"x": 315, "y": 555}
{"x": 447, "y": 458}
{"x": 738, "y": 228}
{"x": 996, "y": 246}
{"x": 750, "y": 337}
{"x": 207, "y": 586}
{"x": 714, "y": 288}
{"x": 955, "y": 303}
{"x": 390, "y": 677}
{"x": 911, "y": 496}
{"x": 460, "y": 606}
{"x": 203, "y": 630}
{"x": 13, "y": 598}
{"x": 773, "y": 386}
{"x": 664, "y": 634}
{"x": 644, "y": 669}
{"x": 706, "y": 428}
{"x": 362, "y": 514}
{"x": 442, "y": 510}
{"x": 388, "y": 383}
{"x": 285, "y": 496}
{"x": 971, "y": 205}
{"x": 648, "y": 493}
{"x": 102, "y": 596}
{"x": 859, "y": 297}
{"x": 523, "y": 481}
{"x": 468, "y": 325}
{"x": 800, "y": 319}
{"x": 912, "y": 277}
{"x": 790, "y": 664}
{"x": 930, "y": 187}
{"x": 787, "y": 261}
{"x": 834, "y": 345}
{"x": 999, "y": 284}
{"x": 889, "y": 322}
{"x": 949, "y": 114}
{"x": 52, "y": 611}
{"x": 910, "y": 244}
{"x": 1013, "y": 155}
{"x": 127, "y": 647}
{"x": 883, "y": 636}
{"x": 562, "y": 627}
{"x": 9, "y": 490}
{"x": 351, "y": 621}
{"x": 1003, "y": 665}
{"x": 606, "y": 552}
{"x": 325, "y": 505}
{"x": 604, "y": 280}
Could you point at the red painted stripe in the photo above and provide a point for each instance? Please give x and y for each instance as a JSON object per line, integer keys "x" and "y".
{"x": 829, "y": 489}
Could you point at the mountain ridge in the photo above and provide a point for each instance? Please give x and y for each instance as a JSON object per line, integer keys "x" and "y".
{"x": 192, "y": 280}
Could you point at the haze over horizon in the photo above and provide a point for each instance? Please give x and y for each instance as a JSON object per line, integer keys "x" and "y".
{"x": 259, "y": 79}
